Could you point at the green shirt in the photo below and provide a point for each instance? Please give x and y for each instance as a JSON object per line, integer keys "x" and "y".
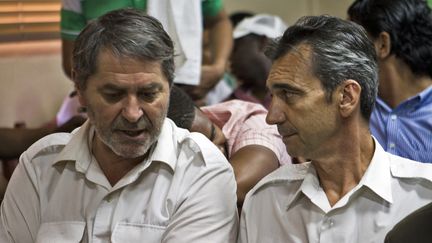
{"x": 76, "y": 13}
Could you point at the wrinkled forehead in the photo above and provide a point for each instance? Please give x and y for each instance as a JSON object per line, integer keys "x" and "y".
{"x": 293, "y": 67}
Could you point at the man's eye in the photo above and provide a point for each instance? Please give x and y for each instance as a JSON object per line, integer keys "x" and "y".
{"x": 289, "y": 94}
{"x": 112, "y": 96}
{"x": 286, "y": 95}
{"x": 148, "y": 96}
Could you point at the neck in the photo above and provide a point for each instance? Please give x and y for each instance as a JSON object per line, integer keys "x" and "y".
{"x": 113, "y": 166}
{"x": 342, "y": 168}
{"x": 398, "y": 83}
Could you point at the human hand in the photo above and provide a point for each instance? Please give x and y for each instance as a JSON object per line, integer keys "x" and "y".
{"x": 210, "y": 76}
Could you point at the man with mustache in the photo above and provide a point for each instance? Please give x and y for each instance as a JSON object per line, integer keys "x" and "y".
{"x": 324, "y": 83}
{"x": 128, "y": 174}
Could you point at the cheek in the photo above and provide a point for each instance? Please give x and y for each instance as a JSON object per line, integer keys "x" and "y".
{"x": 156, "y": 110}
{"x": 103, "y": 112}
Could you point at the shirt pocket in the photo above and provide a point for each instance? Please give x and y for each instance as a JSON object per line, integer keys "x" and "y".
{"x": 65, "y": 232}
{"x": 131, "y": 233}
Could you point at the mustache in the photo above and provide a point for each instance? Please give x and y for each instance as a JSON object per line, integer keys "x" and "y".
{"x": 122, "y": 124}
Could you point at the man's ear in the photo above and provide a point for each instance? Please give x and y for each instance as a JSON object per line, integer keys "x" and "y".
{"x": 349, "y": 97}
{"x": 383, "y": 45}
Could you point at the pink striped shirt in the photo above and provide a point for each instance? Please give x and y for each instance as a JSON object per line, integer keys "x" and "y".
{"x": 243, "y": 123}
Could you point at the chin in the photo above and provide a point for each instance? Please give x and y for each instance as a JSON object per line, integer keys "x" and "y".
{"x": 294, "y": 152}
{"x": 130, "y": 151}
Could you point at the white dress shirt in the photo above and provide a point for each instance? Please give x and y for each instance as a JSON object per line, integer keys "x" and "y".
{"x": 290, "y": 206}
{"x": 185, "y": 192}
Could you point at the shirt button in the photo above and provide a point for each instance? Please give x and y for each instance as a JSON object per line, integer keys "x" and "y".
{"x": 331, "y": 223}
{"x": 392, "y": 145}
{"x": 393, "y": 117}
{"x": 109, "y": 198}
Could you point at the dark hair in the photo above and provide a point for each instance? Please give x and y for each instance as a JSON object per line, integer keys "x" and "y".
{"x": 181, "y": 108}
{"x": 409, "y": 24}
{"x": 126, "y": 33}
{"x": 341, "y": 50}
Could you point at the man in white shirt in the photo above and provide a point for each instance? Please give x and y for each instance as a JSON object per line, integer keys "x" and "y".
{"x": 324, "y": 84}
{"x": 128, "y": 174}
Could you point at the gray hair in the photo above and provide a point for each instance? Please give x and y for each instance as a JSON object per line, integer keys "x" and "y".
{"x": 126, "y": 33}
{"x": 341, "y": 50}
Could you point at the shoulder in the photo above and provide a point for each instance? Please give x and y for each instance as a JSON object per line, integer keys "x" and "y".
{"x": 278, "y": 189}
{"x": 192, "y": 146}
{"x": 209, "y": 152}
{"x": 286, "y": 175}
{"x": 406, "y": 169}
{"x": 50, "y": 144}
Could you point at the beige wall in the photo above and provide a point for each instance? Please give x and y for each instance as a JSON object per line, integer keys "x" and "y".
{"x": 290, "y": 10}
{"x": 32, "y": 83}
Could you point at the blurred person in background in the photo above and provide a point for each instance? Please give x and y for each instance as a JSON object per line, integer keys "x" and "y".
{"x": 238, "y": 128}
{"x": 248, "y": 63}
{"x": 401, "y": 31}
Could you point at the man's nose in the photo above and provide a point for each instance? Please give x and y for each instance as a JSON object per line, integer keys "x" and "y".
{"x": 275, "y": 114}
{"x": 132, "y": 110}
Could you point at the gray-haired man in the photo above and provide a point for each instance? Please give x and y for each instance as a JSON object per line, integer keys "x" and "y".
{"x": 128, "y": 174}
{"x": 324, "y": 83}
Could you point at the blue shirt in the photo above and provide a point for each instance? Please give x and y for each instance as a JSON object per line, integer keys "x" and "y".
{"x": 406, "y": 130}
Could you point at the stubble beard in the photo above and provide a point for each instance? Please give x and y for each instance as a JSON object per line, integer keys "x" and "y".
{"x": 125, "y": 148}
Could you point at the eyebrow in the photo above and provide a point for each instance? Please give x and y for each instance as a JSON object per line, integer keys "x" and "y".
{"x": 150, "y": 86}
{"x": 285, "y": 86}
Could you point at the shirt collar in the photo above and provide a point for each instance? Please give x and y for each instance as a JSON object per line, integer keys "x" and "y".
{"x": 378, "y": 175}
{"x": 377, "y": 178}
{"x": 309, "y": 186}
{"x": 421, "y": 99}
{"x": 426, "y": 95}
{"x": 78, "y": 149}
{"x": 166, "y": 147}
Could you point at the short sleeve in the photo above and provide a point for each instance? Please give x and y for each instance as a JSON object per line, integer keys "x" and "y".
{"x": 256, "y": 132}
{"x": 71, "y": 24}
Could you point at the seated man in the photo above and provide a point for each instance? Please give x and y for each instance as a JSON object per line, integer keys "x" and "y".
{"x": 238, "y": 128}
{"x": 324, "y": 82}
{"x": 128, "y": 174}
{"x": 401, "y": 30}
